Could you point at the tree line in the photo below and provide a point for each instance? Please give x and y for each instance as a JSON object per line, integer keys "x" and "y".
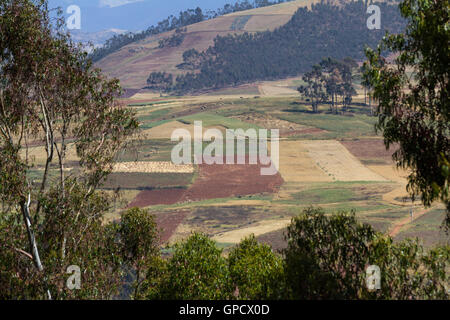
{"x": 330, "y": 78}
{"x": 184, "y": 18}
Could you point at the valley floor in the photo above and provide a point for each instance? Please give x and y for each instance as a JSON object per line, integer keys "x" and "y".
{"x": 335, "y": 161}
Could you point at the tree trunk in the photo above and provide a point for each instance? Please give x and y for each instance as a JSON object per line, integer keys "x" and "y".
{"x": 365, "y": 96}
{"x": 25, "y": 206}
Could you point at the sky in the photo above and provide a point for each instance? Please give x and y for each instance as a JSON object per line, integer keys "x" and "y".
{"x": 131, "y": 15}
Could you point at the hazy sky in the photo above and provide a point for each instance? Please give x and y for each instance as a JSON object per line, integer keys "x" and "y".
{"x": 133, "y": 15}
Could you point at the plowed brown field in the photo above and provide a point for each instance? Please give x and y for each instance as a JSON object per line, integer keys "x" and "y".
{"x": 215, "y": 181}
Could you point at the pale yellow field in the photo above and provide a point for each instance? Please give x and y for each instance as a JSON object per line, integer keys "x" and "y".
{"x": 296, "y": 165}
{"x": 337, "y": 162}
{"x": 145, "y": 96}
{"x": 38, "y": 155}
{"x": 152, "y": 167}
{"x": 276, "y": 90}
{"x": 392, "y": 173}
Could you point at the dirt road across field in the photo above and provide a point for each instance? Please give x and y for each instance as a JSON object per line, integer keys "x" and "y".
{"x": 398, "y": 226}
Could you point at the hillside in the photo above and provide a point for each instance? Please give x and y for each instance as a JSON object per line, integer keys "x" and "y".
{"x": 133, "y": 63}
{"x": 326, "y": 30}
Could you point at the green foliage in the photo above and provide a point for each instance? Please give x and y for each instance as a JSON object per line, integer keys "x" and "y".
{"x": 413, "y": 111}
{"x": 314, "y": 87}
{"x": 88, "y": 244}
{"x": 159, "y": 80}
{"x": 51, "y": 94}
{"x": 329, "y": 78}
{"x": 175, "y": 40}
{"x": 407, "y": 272}
{"x": 196, "y": 271}
{"x": 327, "y": 258}
{"x": 139, "y": 235}
{"x": 255, "y": 270}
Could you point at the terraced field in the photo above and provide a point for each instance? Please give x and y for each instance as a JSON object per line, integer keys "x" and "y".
{"x": 333, "y": 161}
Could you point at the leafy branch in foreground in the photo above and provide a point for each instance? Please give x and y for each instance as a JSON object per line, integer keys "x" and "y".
{"x": 54, "y": 103}
{"x": 413, "y": 97}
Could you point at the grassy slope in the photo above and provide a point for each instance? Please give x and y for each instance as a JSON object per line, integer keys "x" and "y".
{"x": 133, "y": 63}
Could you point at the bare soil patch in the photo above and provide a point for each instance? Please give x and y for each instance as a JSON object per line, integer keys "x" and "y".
{"x": 369, "y": 149}
{"x": 215, "y": 181}
{"x": 157, "y": 196}
{"x": 168, "y": 222}
{"x": 222, "y": 181}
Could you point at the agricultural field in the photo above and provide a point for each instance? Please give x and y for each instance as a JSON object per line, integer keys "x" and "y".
{"x": 335, "y": 161}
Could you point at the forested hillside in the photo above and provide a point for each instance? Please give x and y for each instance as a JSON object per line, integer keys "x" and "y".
{"x": 324, "y": 31}
{"x": 185, "y": 18}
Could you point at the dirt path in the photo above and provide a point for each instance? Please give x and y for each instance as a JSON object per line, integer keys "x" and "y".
{"x": 405, "y": 221}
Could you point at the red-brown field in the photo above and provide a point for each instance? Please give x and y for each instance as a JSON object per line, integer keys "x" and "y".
{"x": 168, "y": 223}
{"x": 221, "y": 181}
{"x": 214, "y": 181}
{"x": 158, "y": 196}
{"x": 369, "y": 149}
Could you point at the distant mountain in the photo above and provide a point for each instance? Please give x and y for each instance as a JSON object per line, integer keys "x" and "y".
{"x": 132, "y": 15}
{"x": 96, "y": 38}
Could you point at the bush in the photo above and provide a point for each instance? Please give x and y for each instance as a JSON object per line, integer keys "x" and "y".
{"x": 196, "y": 271}
{"x": 327, "y": 258}
{"x": 255, "y": 270}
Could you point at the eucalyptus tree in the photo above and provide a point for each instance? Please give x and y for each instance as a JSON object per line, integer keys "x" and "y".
{"x": 60, "y": 131}
{"x": 413, "y": 97}
{"x": 315, "y": 87}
